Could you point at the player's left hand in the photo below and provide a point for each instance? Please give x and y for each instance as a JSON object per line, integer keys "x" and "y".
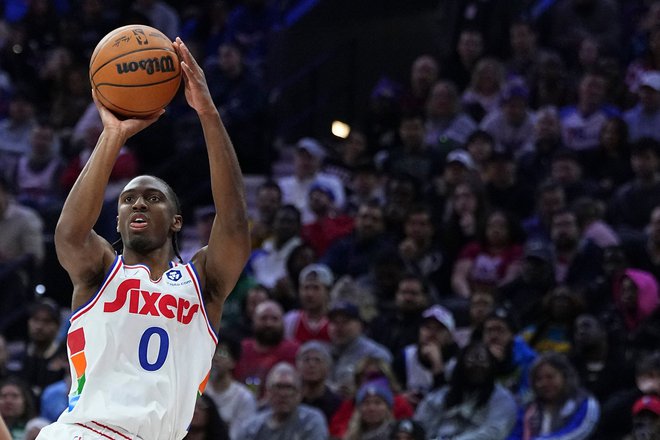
{"x": 194, "y": 81}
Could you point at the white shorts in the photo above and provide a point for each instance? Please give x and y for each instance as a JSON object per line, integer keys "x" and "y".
{"x": 87, "y": 431}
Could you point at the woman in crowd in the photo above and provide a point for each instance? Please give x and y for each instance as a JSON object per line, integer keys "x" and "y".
{"x": 373, "y": 416}
{"x": 17, "y": 406}
{"x": 561, "y": 408}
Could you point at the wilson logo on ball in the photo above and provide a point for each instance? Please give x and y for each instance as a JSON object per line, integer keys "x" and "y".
{"x": 149, "y": 65}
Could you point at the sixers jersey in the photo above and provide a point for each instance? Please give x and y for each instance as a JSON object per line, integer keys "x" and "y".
{"x": 140, "y": 352}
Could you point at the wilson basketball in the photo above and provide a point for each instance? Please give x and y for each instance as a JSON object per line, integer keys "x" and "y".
{"x": 135, "y": 71}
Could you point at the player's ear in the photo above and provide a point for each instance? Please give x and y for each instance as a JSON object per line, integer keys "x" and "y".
{"x": 177, "y": 223}
{"x": 117, "y": 223}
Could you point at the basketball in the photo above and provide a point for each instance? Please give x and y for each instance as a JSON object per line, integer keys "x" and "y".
{"x": 135, "y": 71}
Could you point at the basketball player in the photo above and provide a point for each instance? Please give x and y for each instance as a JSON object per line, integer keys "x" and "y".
{"x": 143, "y": 330}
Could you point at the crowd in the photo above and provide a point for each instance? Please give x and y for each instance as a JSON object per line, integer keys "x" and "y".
{"x": 478, "y": 259}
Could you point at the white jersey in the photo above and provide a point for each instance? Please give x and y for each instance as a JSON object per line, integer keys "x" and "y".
{"x": 140, "y": 352}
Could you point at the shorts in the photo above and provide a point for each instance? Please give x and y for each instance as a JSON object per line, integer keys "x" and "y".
{"x": 87, "y": 431}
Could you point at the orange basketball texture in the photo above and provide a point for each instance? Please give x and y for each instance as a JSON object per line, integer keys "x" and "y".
{"x": 135, "y": 71}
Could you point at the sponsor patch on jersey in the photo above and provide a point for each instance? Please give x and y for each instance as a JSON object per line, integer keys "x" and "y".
{"x": 174, "y": 275}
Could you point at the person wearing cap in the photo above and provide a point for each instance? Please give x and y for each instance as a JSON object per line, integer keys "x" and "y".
{"x": 646, "y": 418}
{"x": 314, "y": 363}
{"x": 329, "y": 224}
{"x": 372, "y": 419}
{"x": 524, "y": 293}
{"x": 307, "y": 160}
{"x": 512, "y": 356}
{"x": 349, "y": 343}
{"x": 616, "y": 419}
{"x": 644, "y": 118}
{"x": 512, "y": 123}
{"x": 310, "y": 321}
{"x": 472, "y": 405}
{"x": 407, "y": 429}
{"x": 284, "y": 417}
{"x": 424, "y": 365}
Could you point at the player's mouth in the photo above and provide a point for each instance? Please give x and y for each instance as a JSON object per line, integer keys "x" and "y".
{"x": 138, "y": 222}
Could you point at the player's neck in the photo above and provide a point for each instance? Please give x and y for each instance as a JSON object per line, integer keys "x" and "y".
{"x": 158, "y": 260}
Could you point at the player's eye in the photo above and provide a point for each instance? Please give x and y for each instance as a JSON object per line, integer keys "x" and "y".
{"x": 154, "y": 198}
{"x": 128, "y": 199}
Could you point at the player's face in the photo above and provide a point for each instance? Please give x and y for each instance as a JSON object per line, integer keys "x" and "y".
{"x": 146, "y": 216}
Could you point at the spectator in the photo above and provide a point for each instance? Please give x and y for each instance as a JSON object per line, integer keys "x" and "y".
{"x": 512, "y": 356}
{"x": 39, "y": 363}
{"x": 397, "y": 327}
{"x": 426, "y": 364}
{"x": 635, "y": 298}
{"x": 17, "y": 406}
{"x": 365, "y": 186}
{"x": 368, "y": 370}
{"x": 481, "y": 305}
{"x": 16, "y": 129}
{"x": 352, "y": 255}
{"x": 643, "y": 119}
{"x": 328, "y": 225}
{"x": 310, "y": 321}
{"x": 421, "y": 253}
{"x": 242, "y": 102}
{"x": 644, "y": 253}
{"x": 372, "y": 419}
{"x": 349, "y": 344}
{"x": 206, "y": 423}
{"x": 649, "y": 61}
{"x": 575, "y": 264}
{"x": 55, "y": 397}
{"x": 602, "y": 368}
{"x": 268, "y": 263}
{"x": 616, "y": 420}
{"x": 481, "y": 145}
{"x": 233, "y": 400}
{"x": 609, "y": 164}
{"x": 503, "y": 189}
{"x": 523, "y": 294}
{"x": 268, "y": 201}
{"x": 560, "y": 406}
{"x": 566, "y": 170}
{"x": 535, "y": 157}
{"x": 468, "y": 51}
{"x": 524, "y": 50}
{"x": 632, "y": 203}
{"x": 307, "y": 171}
{"x": 412, "y": 155}
{"x": 285, "y": 417}
{"x": 550, "y": 84}
{"x": 490, "y": 261}
{"x": 22, "y": 251}
{"x": 581, "y": 123}
{"x": 512, "y": 123}
{"x": 553, "y": 332}
{"x": 265, "y": 349}
{"x": 483, "y": 94}
{"x": 592, "y": 225}
{"x": 446, "y": 125}
{"x": 349, "y": 154}
{"x": 472, "y": 405}
{"x": 38, "y": 173}
{"x": 314, "y": 363}
{"x": 424, "y": 72}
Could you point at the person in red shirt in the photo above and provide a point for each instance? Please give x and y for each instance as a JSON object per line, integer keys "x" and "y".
{"x": 329, "y": 225}
{"x": 265, "y": 349}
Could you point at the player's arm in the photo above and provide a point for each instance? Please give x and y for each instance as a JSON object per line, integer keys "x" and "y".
{"x": 221, "y": 262}
{"x": 84, "y": 254}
